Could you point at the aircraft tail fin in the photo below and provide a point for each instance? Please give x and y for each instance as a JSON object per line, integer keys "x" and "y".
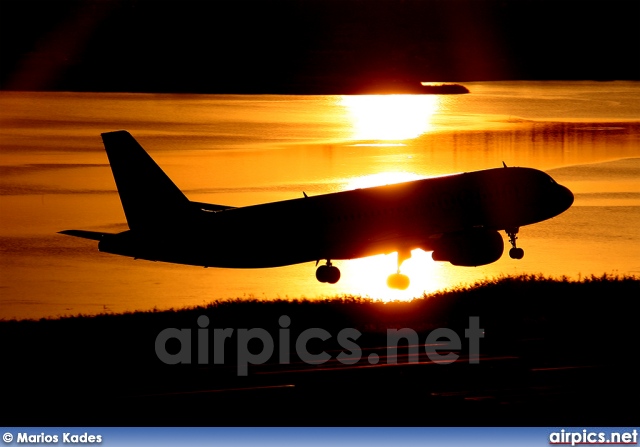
{"x": 151, "y": 201}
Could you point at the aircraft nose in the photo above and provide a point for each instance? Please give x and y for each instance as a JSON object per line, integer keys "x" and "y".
{"x": 564, "y": 198}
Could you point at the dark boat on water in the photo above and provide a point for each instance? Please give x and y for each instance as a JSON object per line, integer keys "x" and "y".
{"x": 444, "y": 89}
{"x": 415, "y": 88}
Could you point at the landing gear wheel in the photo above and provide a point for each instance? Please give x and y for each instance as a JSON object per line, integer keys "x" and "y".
{"x": 328, "y": 273}
{"x": 516, "y": 253}
{"x": 334, "y": 275}
{"x": 322, "y": 273}
{"x": 398, "y": 281}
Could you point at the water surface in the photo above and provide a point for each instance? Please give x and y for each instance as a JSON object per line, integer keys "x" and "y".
{"x": 242, "y": 150}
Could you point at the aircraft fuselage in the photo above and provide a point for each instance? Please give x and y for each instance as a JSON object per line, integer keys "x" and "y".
{"x": 361, "y": 222}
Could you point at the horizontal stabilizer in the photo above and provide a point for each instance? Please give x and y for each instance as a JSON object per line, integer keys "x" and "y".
{"x": 93, "y": 235}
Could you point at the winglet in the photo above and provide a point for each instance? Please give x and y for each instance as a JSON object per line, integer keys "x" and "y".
{"x": 504, "y": 164}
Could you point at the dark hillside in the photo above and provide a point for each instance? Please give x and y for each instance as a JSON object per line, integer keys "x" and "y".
{"x": 554, "y": 352}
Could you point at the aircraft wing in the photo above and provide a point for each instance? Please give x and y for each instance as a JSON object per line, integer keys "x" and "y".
{"x": 212, "y": 207}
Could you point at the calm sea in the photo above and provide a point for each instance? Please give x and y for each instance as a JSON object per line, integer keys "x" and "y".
{"x": 241, "y": 150}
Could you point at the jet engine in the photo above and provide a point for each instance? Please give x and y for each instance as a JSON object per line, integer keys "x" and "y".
{"x": 469, "y": 248}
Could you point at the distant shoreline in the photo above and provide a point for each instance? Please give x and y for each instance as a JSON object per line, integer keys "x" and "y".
{"x": 431, "y": 88}
{"x": 365, "y": 88}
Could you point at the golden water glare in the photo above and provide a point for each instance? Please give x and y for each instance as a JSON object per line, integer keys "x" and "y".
{"x": 381, "y": 178}
{"x": 381, "y": 119}
{"x": 368, "y": 275}
{"x": 241, "y": 151}
{"x": 390, "y": 117}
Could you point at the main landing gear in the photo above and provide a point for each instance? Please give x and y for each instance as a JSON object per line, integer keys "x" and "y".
{"x": 515, "y": 252}
{"x": 328, "y": 273}
{"x": 398, "y": 280}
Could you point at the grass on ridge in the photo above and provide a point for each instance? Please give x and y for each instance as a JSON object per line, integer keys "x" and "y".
{"x": 517, "y": 298}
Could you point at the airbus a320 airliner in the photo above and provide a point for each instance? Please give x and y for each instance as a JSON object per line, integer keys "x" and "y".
{"x": 457, "y": 217}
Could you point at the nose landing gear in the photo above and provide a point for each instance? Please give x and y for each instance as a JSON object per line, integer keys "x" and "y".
{"x": 398, "y": 280}
{"x": 328, "y": 273}
{"x": 514, "y": 252}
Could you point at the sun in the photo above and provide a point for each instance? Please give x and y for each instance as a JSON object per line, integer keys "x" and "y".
{"x": 368, "y": 276}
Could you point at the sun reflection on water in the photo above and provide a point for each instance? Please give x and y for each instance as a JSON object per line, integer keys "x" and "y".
{"x": 368, "y": 276}
{"x": 390, "y": 117}
{"x": 381, "y": 178}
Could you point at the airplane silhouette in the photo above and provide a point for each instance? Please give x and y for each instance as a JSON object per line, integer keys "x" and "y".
{"x": 457, "y": 217}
